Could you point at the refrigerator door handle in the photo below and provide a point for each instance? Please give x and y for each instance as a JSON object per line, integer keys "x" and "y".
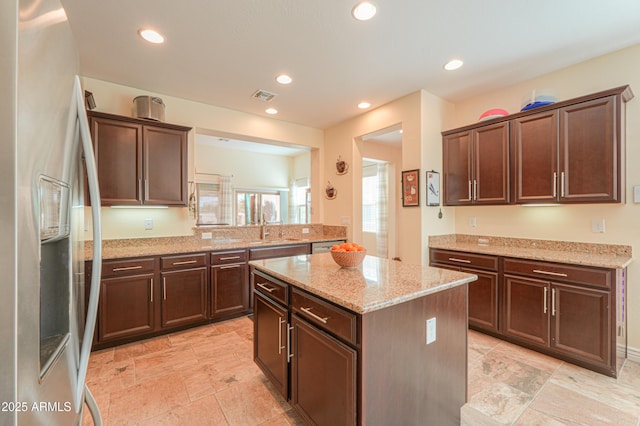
{"x": 94, "y": 292}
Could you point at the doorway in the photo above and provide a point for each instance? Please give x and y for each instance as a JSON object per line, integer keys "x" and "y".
{"x": 375, "y": 206}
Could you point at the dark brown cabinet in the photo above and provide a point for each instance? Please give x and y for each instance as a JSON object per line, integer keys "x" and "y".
{"x": 568, "y": 152}
{"x": 229, "y": 283}
{"x": 483, "y": 293}
{"x": 476, "y": 165}
{"x": 139, "y": 162}
{"x": 323, "y": 376}
{"x": 184, "y": 290}
{"x": 297, "y": 344}
{"x": 127, "y": 299}
{"x": 270, "y": 350}
{"x": 573, "y": 312}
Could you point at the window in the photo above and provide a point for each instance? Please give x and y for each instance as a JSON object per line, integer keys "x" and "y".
{"x": 209, "y": 204}
{"x": 370, "y": 195}
{"x": 252, "y": 206}
{"x": 301, "y": 201}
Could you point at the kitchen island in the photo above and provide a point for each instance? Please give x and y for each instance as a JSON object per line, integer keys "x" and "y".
{"x": 383, "y": 343}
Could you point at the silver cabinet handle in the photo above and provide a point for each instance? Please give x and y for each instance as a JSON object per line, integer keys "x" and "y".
{"x": 562, "y": 184}
{"x": 455, "y": 259}
{"x": 184, "y": 262}
{"x": 312, "y": 315}
{"x": 264, "y": 287}
{"x": 475, "y": 190}
{"x": 146, "y": 189}
{"x": 280, "y": 347}
{"x": 140, "y": 188}
{"x": 230, "y": 267}
{"x": 230, "y": 258}
{"x": 469, "y": 189}
{"x": 555, "y": 184}
{"x": 127, "y": 268}
{"x": 151, "y": 286}
{"x": 289, "y": 349}
{"x": 164, "y": 288}
{"x": 553, "y": 302}
{"x": 555, "y": 274}
{"x": 545, "y": 299}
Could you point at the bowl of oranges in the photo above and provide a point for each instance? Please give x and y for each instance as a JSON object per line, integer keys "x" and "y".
{"x": 348, "y": 255}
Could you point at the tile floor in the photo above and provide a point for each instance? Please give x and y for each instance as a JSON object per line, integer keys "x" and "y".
{"x": 206, "y": 376}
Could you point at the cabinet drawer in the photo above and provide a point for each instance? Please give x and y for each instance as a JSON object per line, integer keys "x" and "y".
{"x": 271, "y": 288}
{"x": 183, "y": 261}
{"x": 325, "y": 315}
{"x": 279, "y": 251}
{"x": 114, "y": 268}
{"x": 559, "y": 272}
{"x": 467, "y": 260}
{"x": 225, "y": 257}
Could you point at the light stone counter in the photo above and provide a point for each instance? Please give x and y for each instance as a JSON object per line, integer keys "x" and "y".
{"x": 589, "y": 254}
{"x": 375, "y": 284}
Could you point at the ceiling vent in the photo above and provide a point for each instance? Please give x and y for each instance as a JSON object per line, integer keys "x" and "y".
{"x": 263, "y": 95}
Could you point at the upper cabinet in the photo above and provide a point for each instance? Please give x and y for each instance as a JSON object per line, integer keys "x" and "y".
{"x": 476, "y": 165}
{"x": 568, "y": 152}
{"x": 140, "y": 162}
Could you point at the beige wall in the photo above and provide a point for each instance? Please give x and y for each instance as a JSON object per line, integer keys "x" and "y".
{"x": 117, "y": 99}
{"x": 571, "y": 222}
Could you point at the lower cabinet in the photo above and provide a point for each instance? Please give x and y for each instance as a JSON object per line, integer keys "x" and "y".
{"x": 323, "y": 376}
{"x": 572, "y": 312}
{"x": 570, "y": 319}
{"x": 315, "y": 370}
{"x": 270, "y": 352}
{"x": 229, "y": 283}
{"x": 127, "y": 299}
{"x": 483, "y": 293}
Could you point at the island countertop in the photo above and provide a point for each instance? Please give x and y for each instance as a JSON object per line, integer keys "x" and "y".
{"x": 375, "y": 284}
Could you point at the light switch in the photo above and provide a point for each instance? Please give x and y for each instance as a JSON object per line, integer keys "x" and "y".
{"x": 207, "y": 235}
{"x": 473, "y": 222}
{"x": 148, "y": 224}
{"x": 636, "y": 193}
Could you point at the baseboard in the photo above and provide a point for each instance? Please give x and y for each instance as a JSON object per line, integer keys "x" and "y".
{"x": 633, "y": 354}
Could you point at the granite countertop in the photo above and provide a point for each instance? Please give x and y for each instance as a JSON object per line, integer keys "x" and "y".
{"x": 375, "y": 284}
{"x": 589, "y": 254}
{"x": 116, "y": 249}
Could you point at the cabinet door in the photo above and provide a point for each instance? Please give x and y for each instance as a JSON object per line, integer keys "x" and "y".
{"x": 590, "y": 152}
{"x": 535, "y": 158}
{"x": 491, "y": 164}
{"x": 483, "y": 300}
{"x": 126, "y": 306}
{"x": 230, "y": 289}
{"x": 580, "y": 322}
{"x": 118, "y": 153}
{"x": 323, "y": 376}
{"x": 456, "y": 154}
{"x": 184, "y": 297}
{"x": 165, "y": 166}
{"x": 270, "y": 348}
{"x": 526, "y": 309}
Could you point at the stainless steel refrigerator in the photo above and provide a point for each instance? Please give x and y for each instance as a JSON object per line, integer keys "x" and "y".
{"x": 45, "y": 330}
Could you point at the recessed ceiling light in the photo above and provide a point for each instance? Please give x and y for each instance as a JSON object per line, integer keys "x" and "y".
{"x": 151, "y": 36}
{"x": 363, "y": 11}
{"x": 453, "y": 64}
{"x": 364, "y": 105}
{"x": 271, "y": 111}
{"x": 284, "y": 79}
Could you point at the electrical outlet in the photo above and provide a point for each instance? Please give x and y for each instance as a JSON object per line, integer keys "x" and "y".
{"x": 207, "y": 235}
{"x": 597, "y": 225}
{"x": 431, "y": 330}
{"x": 148, "y": 224}
{"x": 345, "y": 220}
{"x": 473, "y": 222}
{"x": 305, "y": 230}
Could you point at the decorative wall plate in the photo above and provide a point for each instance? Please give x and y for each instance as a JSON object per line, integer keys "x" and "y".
{"x": 342, "y": 167}
{"x": 330, "y": 192}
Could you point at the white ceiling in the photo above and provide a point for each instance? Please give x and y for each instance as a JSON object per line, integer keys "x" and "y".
{"x": 270, "y": 148}
{"x": 221, "y": 51}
